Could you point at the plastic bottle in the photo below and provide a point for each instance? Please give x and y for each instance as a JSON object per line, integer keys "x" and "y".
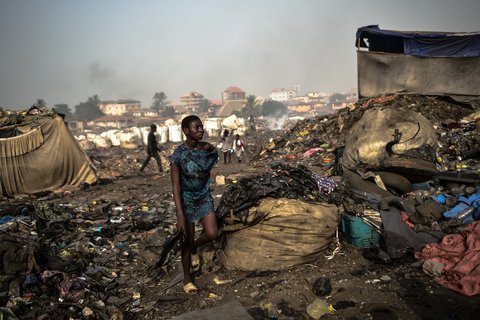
{"x": 462, "y": 205}
{"x": 318, "y": 308}
{"x": 466, "y": 215}
{"x": 440, "y": 198}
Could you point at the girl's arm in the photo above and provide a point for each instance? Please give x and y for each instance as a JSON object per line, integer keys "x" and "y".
{"x": 175, "y": 175}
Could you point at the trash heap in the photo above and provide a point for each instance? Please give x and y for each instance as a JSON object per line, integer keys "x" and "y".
{"x": 313, "y": 141}
{"x": 411, "y": 168}
{"x": 414, "y": 186}
{"x": 63, "y": 261}
{"x": 283, "y": 182}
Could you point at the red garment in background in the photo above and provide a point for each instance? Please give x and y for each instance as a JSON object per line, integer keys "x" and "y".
{"x": 460, "y": 254}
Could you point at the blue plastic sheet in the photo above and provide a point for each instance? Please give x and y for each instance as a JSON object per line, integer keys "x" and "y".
{"x": 419, "y": 43}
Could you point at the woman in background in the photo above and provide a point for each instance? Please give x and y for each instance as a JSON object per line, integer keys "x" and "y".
{"x": 226, "y": 147}
{"x": 239, "y": 147}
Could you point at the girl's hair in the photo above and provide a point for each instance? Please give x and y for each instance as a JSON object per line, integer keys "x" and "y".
{"x": 226, "y": 132}
{"x": 189, "y": 119}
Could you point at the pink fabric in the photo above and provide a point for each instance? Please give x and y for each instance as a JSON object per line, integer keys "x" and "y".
{"x": 308, "y": 153}
{"x": 460, "y": 254}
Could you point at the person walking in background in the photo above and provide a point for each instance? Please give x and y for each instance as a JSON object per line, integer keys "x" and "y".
{"x": 238, "y": 147}
{"x": 191, "y": 165}
{"x": 226, "y": 147}
{"x": 152, "y": 149}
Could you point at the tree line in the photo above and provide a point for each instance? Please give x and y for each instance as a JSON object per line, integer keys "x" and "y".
{"x": 90, "y": 109}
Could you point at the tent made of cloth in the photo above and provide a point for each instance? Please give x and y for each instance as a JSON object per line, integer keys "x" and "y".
{"x": 41, "y": 155}
{"x": 419, "y": 43}
{"x": 382, "y": 73}
{"x": 430, "y": 63}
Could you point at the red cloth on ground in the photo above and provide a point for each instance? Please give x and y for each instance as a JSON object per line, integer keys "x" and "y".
{"x": 460, "y": 253}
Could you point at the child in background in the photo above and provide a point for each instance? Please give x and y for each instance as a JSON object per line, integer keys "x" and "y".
{"x": 190, "y": 172}
{"x": 226, "y": 147}
{"x": 239, "y": 147}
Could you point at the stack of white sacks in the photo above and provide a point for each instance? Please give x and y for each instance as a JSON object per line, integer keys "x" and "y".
{"x": 171, "y": 131}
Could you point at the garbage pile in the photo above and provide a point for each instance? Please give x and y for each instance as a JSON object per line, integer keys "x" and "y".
{"x": 313, "y": 141}
{"x": 411, "y": 168}
{"x": 414, "y": 191}
{"x": 437, "y": 220}
{"x": 283, "y": 182}
{"x": 63, "y": 261}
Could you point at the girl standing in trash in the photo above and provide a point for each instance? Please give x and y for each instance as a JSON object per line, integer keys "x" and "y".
{"x": 226, "y": 147}
{"x": 191, "y": 164}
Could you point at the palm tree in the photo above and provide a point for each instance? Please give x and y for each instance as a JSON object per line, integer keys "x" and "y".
{"x": 250, "y": 106}
{"x": 158, "y": 100}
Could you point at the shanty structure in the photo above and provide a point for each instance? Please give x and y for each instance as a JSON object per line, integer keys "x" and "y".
{"x": 39, "y": 153}
{"x": 420, "y": 62}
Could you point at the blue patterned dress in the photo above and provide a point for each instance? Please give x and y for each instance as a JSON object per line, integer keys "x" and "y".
{"x": 195, "y": 167}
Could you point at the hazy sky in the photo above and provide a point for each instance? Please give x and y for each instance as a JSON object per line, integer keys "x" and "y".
{"x": 64, "y": 51}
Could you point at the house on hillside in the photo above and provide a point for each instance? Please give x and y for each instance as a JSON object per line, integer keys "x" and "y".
{"x": 282, "y": 95}
{"x": 192, "y": 100}
{"x": 119, "y": 107}
{"x": 420, "y": 62}
{"x": 233, "y": 93}
{"x": 234, "y": 99}
{"x": 76, "y": 125}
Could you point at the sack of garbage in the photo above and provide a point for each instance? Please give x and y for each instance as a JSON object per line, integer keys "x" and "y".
{"x": 163, "y": 134}
{"x": 175, "y": 133}
{"x": 280, "y": 233}
{"x": 170, "y": 122}
{"x": 391, "y": 138}
{"x": 101, "y": 142}
{"x": 113, "y": 136}
{"x": 131, "y": 138}
{"x": 232, "y": 122}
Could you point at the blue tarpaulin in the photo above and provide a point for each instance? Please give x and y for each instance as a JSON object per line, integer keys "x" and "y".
{"x": 419, "y": 43}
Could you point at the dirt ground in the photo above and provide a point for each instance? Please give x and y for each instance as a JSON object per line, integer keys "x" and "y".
{"x": 361, "y": 288}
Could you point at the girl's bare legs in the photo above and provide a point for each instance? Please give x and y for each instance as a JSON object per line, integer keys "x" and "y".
{"x": 209, "y": 233}
{"x": 187, "y": 251}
